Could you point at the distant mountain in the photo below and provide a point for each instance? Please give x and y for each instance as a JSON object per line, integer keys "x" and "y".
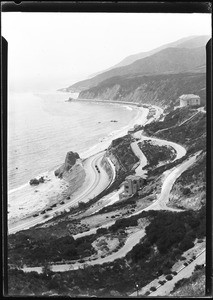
{"x": 187, "y": 42}
{"x": 166, "y": 61}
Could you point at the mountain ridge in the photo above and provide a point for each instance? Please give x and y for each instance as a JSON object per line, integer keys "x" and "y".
{"x": 170, "y": 60}
{"x": 189, "y": 44}
{"x": 183, "y": 42}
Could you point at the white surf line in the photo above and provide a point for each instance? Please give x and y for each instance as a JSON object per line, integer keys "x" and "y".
{"x": 140, "y": 117}
{"x": 76, "y": 198}
{"x": 134, "y": 238}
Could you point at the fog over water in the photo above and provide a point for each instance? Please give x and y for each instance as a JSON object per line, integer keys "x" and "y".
{"x": 53, "y": 50}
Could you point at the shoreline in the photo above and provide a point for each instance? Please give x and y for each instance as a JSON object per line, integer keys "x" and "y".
{"x": 52, "y": 190}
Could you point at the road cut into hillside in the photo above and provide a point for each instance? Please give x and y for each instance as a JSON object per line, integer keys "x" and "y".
{"x": 131, "y": 241}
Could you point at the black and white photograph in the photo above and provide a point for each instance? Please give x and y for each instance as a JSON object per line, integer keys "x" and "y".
{"x": 106, "y": 153}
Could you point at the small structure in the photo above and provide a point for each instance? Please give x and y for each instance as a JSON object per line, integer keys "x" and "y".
{"x": 190, "y": 99}
{"x": 132, "y": 185}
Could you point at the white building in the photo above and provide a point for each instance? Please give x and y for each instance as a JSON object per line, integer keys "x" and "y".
{"x": 132, "y": 185}
{"x": 190, "y": 99}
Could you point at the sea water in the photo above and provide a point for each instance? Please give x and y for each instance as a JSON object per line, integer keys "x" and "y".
{"x": 42, "y": 128}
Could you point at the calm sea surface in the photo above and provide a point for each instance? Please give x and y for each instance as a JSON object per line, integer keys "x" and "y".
{"x": 42, "y": 128}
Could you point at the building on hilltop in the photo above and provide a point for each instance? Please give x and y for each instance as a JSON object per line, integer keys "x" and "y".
{"x": 190, "y": 99}
{"x": 132, "y": 185}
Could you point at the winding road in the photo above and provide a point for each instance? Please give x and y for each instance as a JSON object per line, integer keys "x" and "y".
{"x": 131, "y": 241}
{"x": 94, "y": 184}
{"x": 169, "y": 178}
{"x": 98, "y": 183}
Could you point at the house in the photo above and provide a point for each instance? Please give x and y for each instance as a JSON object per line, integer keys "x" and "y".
{"x": 190, "y": 99}
{"x": 132, "y": 185}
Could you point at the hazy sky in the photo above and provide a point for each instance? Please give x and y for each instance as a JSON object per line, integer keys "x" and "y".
{"x": 54, "y": 50}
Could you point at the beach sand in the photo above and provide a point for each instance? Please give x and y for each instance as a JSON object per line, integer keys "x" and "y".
{"x": 34, "y": 199}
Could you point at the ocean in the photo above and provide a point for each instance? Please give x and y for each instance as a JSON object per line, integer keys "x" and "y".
{"x": 42, "y": 128}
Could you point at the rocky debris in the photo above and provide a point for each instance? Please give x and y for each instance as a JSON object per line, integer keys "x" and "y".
{"x": 36, "y": 181}
{"x": 70, "y": 161}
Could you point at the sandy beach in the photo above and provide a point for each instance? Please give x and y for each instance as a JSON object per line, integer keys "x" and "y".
{"x": 54, "y": 190}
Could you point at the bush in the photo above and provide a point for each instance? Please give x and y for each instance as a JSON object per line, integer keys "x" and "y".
{"x": 198, "y": 267}
{"x": 82, "y": 205}
{"x": 186, "y": 244}
{"x": 169, "y": 277}
{"x": 186, "y": 191}
{"x": 102, "y": 230}
{"x": 166, "y": 271}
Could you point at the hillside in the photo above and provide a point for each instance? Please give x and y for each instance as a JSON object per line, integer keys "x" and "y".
{"x": 169, "y": 60}
{"x": 187, "y": 42}
{"x": 156, "y": 89}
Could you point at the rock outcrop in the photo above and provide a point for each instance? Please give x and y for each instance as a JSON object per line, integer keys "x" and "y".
{"x": 70, "y": 161}
{"x": 121, "y": 154}
{"x": 36, "y": 181}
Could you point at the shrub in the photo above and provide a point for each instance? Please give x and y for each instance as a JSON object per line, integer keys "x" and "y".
{"x": 186, "y": 244}
{"x": 198, "y": 267}
{"x": 169, "y": 277}
{"x": 82, "y": 205}
{"x": 186, "y": 191}
{"x": 102, "y": 230}
{"x": 166, "y": 271}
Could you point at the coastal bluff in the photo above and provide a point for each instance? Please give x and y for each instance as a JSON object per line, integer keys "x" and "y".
{"x": 70, "y": 161}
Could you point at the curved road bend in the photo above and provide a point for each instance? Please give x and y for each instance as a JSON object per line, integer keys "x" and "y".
{"x": 180, "y": 150}
{"x": 170, "y": 177}
{"x": 95, "y": 183}
{"x": 131, "y": 241}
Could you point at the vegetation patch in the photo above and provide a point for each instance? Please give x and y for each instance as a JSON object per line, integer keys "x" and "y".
{"x": 189, "y": 190}
{"x": 193, "y": 286}
{"x": 25, "y": 249}
{"x": 156, "y": 154}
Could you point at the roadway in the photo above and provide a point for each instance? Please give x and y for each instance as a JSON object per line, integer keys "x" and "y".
{"x": 93, "y": 185}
